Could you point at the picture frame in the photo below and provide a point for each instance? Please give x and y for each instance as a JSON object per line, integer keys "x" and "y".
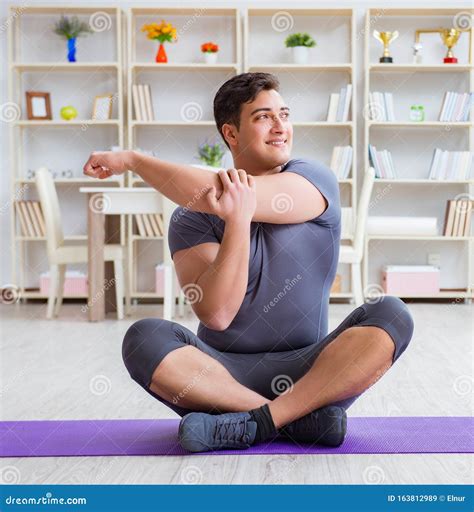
{"x": 38, "y": 106}
{"x": 102, "y": 110}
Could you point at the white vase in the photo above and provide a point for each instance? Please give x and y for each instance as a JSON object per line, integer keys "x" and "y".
{"x": 300, "y": 54}
{"x": 210, "y": 57}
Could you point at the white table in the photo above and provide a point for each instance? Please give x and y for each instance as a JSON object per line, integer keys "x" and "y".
{"x": 104, "y": 201}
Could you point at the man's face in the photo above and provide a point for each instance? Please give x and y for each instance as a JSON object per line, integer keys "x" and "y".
{"x": 265, "y": 135}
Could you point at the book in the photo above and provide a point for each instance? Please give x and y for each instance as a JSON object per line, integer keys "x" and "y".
{"x": 141, "y": 99}
{"x": 40, "y": 217}
{"x": 467, "y": 224}
{"x": 28, "y": 220}
{"x": 159, "y": 220}
{"x": 154, "y": 224}
{"x": 140, "y": 225}
{"x": 34, "y": 221}
{"x": 149, "y": 105}
{"x": 136, "y": 103}
{"x": 332, "y": 109}
{"x": 347, "y": 103}
{"x": 21, "y": 218}
{"x": 457, "y": 215}
{"x": 148, "y": 228}
{"x": 449, "y": 218}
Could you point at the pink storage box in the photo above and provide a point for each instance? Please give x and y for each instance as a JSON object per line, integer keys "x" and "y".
{"x": 74, "y": 284}
{"x": 410, "y": 279}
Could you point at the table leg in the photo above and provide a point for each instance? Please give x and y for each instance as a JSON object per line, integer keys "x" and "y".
{"x": 96, "y": 230}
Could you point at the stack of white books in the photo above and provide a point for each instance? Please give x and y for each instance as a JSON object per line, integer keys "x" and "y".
{"x": 142, "y": 104}
{"x": 382, "y": 163}
{"x": 339, "y": 104}
{"x": 381, "y": 106}
{"x": 456, "y": 106}
{"x": 452, "y": 165}
{"x": 341, "y": 161}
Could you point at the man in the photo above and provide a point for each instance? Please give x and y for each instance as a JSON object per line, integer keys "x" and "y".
{"x": 256, "y": 250}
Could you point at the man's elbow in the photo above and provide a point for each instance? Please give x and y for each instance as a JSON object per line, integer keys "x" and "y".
{"x": 216, "y": 322}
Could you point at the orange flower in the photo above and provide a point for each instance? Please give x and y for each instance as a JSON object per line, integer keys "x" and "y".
{"x": 209, "y": 47}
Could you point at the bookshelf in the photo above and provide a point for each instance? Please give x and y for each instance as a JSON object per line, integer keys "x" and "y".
{"x": 311, "y": 84}
{"x": 44, "y": 67}
{"x": 182, "y": 91}
{"x": 412, "y": 144}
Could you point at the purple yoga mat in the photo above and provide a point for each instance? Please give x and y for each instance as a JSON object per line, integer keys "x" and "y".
{"x": 159, "y": 437}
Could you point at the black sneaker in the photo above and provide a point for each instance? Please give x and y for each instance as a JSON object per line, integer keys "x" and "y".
{"x": 326, "y": 426}
{"x": 201, "y": 432}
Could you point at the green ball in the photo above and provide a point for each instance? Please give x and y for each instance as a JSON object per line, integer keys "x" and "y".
{"x": 68, "y": 113}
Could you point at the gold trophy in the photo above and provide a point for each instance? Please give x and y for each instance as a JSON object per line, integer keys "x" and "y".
{"x": 450, "y": 37}
{"x": 386, "y": 38}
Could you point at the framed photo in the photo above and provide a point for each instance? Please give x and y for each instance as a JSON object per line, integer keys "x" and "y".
{"x": 38, "y": 105}
{"x": 102, "y": 107}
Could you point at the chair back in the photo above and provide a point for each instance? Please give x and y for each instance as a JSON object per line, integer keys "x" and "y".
{"x": 51, "y": 212}
{"x": 363, "y": 211}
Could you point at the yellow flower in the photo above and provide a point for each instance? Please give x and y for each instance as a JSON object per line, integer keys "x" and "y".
{"x": 166, "y": 30}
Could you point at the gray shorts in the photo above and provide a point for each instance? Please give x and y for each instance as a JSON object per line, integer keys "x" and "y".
{"x": 148, "y": 341}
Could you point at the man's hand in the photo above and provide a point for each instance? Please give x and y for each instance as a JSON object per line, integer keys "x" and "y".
{"x": 239, "y": 198}
{"x": 103, "y": 164}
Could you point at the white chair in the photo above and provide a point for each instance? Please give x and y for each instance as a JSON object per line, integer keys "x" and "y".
{"x": 60, "y": 255}
{"x": 353, "y": 254}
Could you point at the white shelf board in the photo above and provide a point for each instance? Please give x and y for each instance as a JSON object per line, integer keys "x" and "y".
{"x": 410, "y": 68}
{"x": 408, "y": 237}
{"x": 423, "y": 124}
{"x": 73, "y": 122}
{"x": 301, "y": 67}
{"x": 424, "y": 181}
{"x": 183, "y": 66}
{"x": 172, "y": 123}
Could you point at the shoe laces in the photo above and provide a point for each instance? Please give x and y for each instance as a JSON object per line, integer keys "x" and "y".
{"x": 231, "y": 430}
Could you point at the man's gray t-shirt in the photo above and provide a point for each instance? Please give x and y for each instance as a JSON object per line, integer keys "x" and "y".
{"x": 291, "y": 270}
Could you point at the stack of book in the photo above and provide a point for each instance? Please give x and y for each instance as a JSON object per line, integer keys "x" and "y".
{"x": 452, "y": 165}
{"x": 456, "y": 106}
{"x": 142, "y": 103}
{"x": 381, "y": 106}
{"x": 31, "y": 218}
{"x": 339, "y": 104}
{"x": 341, "y": 161}
{"x": 457, "y": 220}
{"x": 150, "y": 224}
{"x": 382, "y": 163}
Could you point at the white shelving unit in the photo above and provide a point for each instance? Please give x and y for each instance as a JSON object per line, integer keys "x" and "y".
{"x": 182, "y": 93}
{"x": 44, "y": 67}
{"x": 307, "y": 88}
{"x": 412, "y": 143}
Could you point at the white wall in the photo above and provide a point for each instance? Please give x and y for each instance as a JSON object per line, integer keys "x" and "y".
{"x": 360, "y": 6}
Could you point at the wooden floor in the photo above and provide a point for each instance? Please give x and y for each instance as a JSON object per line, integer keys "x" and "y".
{"x": 72, "y": 369}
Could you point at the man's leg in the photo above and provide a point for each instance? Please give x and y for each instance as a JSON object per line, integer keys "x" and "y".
{"x": 349, "y": 365}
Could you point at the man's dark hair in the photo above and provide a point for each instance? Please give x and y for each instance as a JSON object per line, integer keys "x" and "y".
{"x": 235, "y": 92}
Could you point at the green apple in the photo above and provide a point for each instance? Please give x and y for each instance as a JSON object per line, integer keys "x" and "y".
{"x": 68, "y": 113}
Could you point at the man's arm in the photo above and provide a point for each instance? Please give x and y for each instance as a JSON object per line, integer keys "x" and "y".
{"x": 282, "y": 198}
{"x": 222, "y": 285}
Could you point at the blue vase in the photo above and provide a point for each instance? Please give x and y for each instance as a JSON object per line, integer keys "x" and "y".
{"x": 71, "y": 49}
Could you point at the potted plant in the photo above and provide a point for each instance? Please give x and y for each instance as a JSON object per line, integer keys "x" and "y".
{"x": 300, "y": 44}
{"x": 162, "y": 32}
{"x": 71, "y": 28}
{"x": 210, "y": 52}
{"x": 211, "y": 154}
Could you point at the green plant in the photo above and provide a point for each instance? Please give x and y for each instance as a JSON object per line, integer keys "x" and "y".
{"x": 71, "y": 28}
{"x": 300, "y": 39}
{"x": 211, "y": 154}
